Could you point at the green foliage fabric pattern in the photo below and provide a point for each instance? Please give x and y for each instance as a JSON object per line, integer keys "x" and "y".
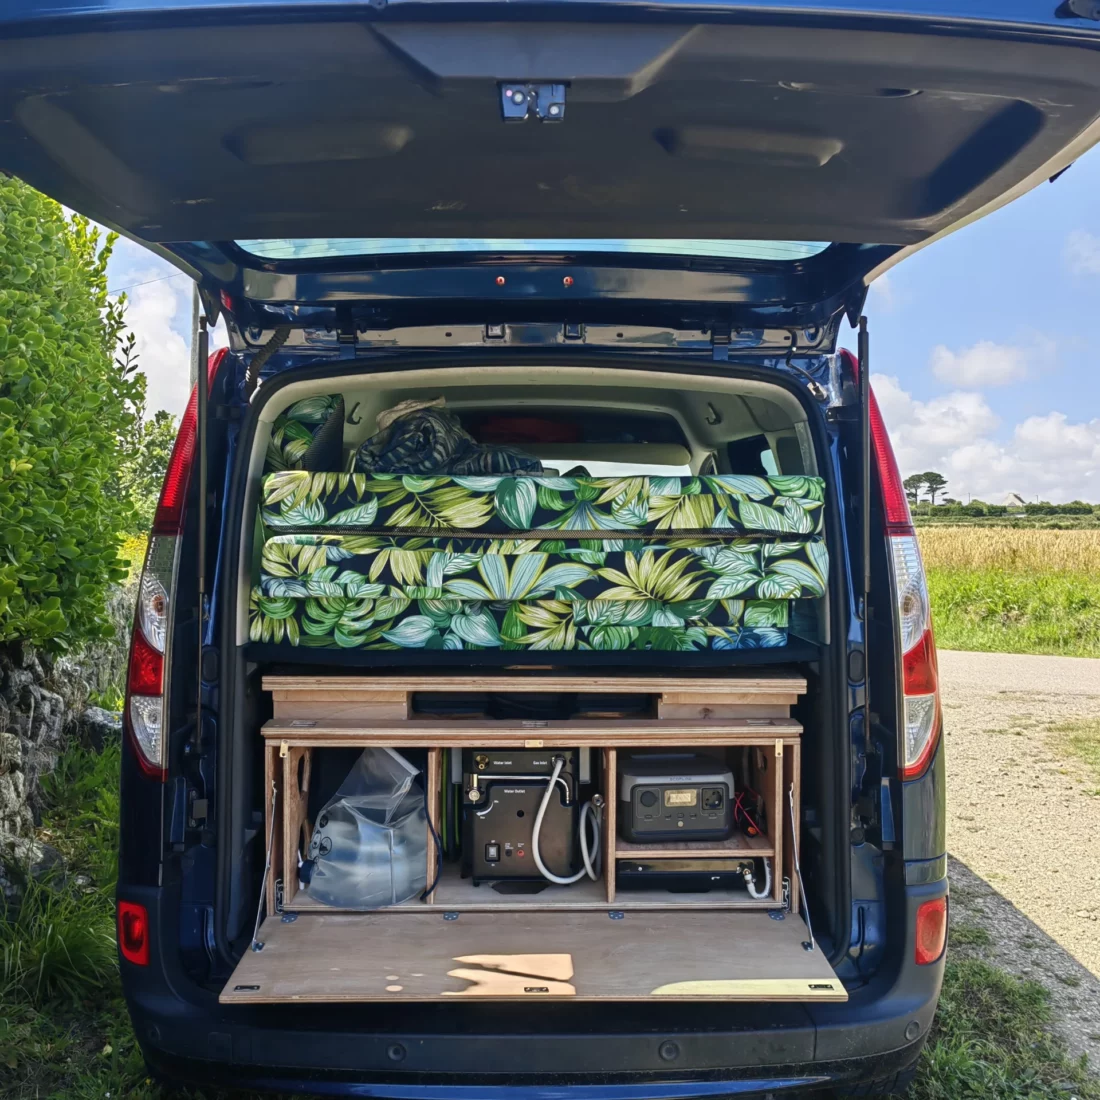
{"x": 536, "y": 562}
{"x": 296, "y": 429}
{"x": 722, "y": 504}
{"x": 66, "y": 422}
{"x": 392, "y": 622}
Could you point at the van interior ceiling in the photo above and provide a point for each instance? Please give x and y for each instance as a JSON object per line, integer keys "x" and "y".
{"x": 730, "y": 727}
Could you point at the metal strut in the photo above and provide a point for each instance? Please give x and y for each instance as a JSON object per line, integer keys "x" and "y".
{"x": 865, "y": 457}
{"x": 804, "y": 905}
{"x": 202, "y": 402}
{"x": 864, "y": 348}
{"x": 257, "y": 943}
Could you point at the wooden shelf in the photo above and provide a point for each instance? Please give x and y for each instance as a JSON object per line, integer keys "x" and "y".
{"x": 740, "y": 844}
{"x": 757, "y": 684}
{"x": 456, "y": 733}
{"x": 456, "y": 893}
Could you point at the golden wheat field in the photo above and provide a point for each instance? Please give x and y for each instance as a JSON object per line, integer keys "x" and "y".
{"x": 1011, "y": 549}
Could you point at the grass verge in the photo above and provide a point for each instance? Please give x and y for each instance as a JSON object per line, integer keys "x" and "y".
{"x": 1027, "y": 612}
{"x": 991, "y": 1039}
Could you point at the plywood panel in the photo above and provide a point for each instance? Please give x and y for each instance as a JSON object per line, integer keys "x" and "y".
{"x": 705, "y": 698}
{"x": 463, "y": 732}
{"x": 273, "y": 783}
{"x": 705, "y": 711}
{"x": 739, "y": 844}
{"x": 432, "y": 782}
{"x": 296, "y": 774}
{"x": 792, "y": 772}
{"x": 324, "y": 957}
{"x": 356, "y": 711}
{"x": 611, "y": 816}
{"x": 457, "y": 894}
{"x": 344, "y": 686}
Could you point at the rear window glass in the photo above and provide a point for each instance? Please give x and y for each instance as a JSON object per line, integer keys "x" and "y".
{"x": 319, "y": 248}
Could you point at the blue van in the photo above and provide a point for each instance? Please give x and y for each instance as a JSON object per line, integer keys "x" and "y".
{"x": 533, "y": 383}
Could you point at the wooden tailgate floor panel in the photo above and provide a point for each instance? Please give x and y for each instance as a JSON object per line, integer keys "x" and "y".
{"x": 587, "y": 956}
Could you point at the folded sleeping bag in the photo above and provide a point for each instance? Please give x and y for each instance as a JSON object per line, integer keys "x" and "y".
{"x": 535, "y": 562}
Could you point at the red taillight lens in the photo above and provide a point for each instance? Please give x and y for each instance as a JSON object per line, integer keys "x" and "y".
{"x": 931, "y": 931}
{"x": 895, "y": 502}
{"x": 169, "y": 515}
{"x": 921, "y": 716}
{"x": 919, "y": 672}
{"x": 146, "y": 668}
{"x": 133, "y": 932}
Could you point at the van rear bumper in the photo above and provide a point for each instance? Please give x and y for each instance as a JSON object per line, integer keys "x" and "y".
{"x": 634, "y": 1052}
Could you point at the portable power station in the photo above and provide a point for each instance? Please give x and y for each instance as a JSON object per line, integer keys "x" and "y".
{"x": 674, "y": 796}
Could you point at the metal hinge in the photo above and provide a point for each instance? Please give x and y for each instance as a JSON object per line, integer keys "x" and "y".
{"x": 786, "y": 893}
{"x": 278, "y": 895}
{"x": 720, "y": 342}
{"x": 197, "y": 812}
{"x": 1082, "y": 9}
{"x": 347, "y": 335}
{"x": 518, "y": 101}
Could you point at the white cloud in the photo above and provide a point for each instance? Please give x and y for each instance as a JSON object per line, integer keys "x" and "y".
{"x": 156, "y": 312}
{"x": 1048, "y": 456}
{"x": 982, "y": 364}
{"x": 884, "y": 293}
{"x": 1082, "y": 252}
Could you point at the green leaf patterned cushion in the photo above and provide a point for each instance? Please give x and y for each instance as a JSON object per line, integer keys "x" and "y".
{"x": 389, "y": 562}
{"x": 720, "y": 503}
{"x": 393, "y": 623}
{"x": 474, "y": 569}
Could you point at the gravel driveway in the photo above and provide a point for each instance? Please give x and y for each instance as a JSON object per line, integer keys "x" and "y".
{"x": 1024, "y": 818}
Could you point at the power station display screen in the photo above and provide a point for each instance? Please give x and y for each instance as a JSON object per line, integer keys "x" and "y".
{"x": 682, "y": 798}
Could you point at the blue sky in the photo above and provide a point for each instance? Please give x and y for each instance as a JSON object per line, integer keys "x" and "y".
{"x": 982, "y": 345}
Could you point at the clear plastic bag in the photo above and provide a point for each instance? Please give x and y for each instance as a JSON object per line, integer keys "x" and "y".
{"x": 369, "y": 846}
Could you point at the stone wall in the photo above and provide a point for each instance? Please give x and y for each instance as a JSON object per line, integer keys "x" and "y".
{"x": 44, "y": 704}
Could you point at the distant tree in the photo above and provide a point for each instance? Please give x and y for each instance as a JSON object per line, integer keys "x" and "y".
{"x": 913, "y": 485}
{"x": 139, "y": 477}
{"x": 934, "y": 483}
{"x": 142, "y": 477}
{"x": 950, "y": 500}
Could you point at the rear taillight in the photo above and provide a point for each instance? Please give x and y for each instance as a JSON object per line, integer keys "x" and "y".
{"x": 931, "y": 931}
{"x": 147, "y": 681}
{"x": 920, "y": 690}
{"x": 919, "y": 674}
{"x": 133, "y": 932}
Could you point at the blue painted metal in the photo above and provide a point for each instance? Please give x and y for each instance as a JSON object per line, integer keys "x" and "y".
{"x": 70, "y": 108}
{"x": 1016, "y": 15}
{"x": 682, "y": 1090}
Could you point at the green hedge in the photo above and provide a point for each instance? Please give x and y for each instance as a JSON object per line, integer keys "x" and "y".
{"x": 66, "y": 418}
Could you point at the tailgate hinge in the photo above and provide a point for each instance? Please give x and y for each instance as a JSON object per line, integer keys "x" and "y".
{"x": 347, "y": 334}
{"x": 720, "y": 342}
{"x": 1081, "y": 9}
